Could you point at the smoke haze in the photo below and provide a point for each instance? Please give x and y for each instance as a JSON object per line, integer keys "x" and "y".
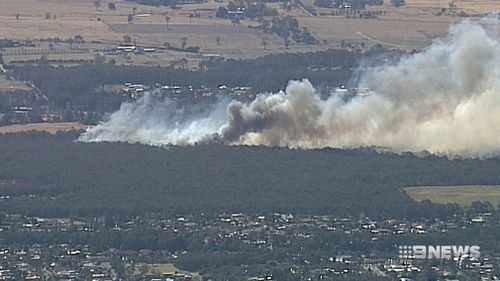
{"x": 444, "y": 100}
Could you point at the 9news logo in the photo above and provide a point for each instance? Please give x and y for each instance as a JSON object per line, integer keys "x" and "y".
{"x": 423, "y": 252}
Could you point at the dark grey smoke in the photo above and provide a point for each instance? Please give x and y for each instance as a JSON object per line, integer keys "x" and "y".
{"x": 445, "y": 99}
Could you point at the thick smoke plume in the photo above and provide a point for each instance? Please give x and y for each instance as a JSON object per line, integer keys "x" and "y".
{"x": 445, "y": 100}
{"x": 157, "y": 121}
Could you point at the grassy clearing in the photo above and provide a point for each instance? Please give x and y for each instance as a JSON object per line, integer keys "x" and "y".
{"x": 51, "y": 128}
{"x": 167, "y": 268}
{"x": 8, "y": 86}
{"x": 462, "y": 195}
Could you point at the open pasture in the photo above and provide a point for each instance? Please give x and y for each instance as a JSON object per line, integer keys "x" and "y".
{"x": 462, "y": 195}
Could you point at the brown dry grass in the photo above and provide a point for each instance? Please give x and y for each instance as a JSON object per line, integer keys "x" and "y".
{"x": 8, "y": 86}
{"x": 80, "y": 18}
{"x": 469, "y": 6}
{"x": 409, "y": 34}
{"x": 51, "y": 128}
{"x": 414, "y": 25}
{"x": 462, "y": 195}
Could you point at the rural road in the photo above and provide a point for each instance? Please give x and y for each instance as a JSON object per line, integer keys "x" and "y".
{"x": 381, "y": 42}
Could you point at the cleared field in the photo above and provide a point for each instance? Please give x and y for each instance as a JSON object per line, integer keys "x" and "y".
{"x": 462, "y": 195}
{"x": 411, "y": 26}
{"x": 8, "y": 86}
{"x": 167, "y": 268}
{"x": 392, "y": 32}
{"x": 34, "y": 29}
{"x": 149, "y": 27}
{"x": 233, "y": 41}
{"x": 14, "y": 58}
{"x": 182, "y": 28}
{"x": 469, "y": 6}
{"x": 51, "y": 128}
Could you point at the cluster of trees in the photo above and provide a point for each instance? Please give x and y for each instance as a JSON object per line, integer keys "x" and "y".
{"x": 352, "y": 13}
{"x": 75, "y": 87}
{"x": 73, "y": 41}
{"x": 398, "y": 3}
{"x": 288, "y": 27}
{"x": 119, "y": 178}
{"x": 183, "y": 48}
{"x": 137, "y": 239}
{"x": 6, "y": 43}
{"x": 236, "y": 11}
{"x": 285, "y": 27}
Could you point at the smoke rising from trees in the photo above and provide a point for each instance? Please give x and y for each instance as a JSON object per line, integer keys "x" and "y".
{"x": 445, "y": 100}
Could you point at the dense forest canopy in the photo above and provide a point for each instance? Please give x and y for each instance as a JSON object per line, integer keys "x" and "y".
{"x": 54, "y": 175}
{"x": 76, "y": 85}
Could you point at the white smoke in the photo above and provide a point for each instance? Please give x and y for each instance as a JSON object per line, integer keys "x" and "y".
{"x": 445, "y": 100}
{"x": 156, "y": 121}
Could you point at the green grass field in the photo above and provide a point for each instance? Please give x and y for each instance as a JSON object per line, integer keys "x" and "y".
{"x": 463, "y": 195}
{"x": 167, "y": 268}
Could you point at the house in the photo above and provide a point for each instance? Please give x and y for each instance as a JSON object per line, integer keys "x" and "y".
{"x": 478, "y": 219}
{"x": 126, "y": 48}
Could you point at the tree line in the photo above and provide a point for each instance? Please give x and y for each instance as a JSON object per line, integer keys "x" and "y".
{"x": 77, "y": 86}
{"x": 120, "y": 178}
